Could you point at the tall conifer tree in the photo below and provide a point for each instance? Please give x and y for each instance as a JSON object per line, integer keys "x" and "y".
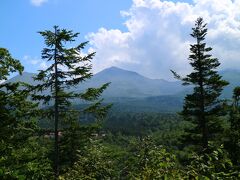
{"x": 68, "y": 67}
{"x": 203, "y": 107}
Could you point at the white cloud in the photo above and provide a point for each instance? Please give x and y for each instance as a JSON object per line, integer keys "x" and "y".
{"x": 38, "y": 2}
{"x": 35, "y": 61}
{"x": 43, "y": 65}
{"x": 157, "y": 37}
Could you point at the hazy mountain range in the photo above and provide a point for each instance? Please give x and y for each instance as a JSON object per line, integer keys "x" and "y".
{"x": 131, "y": 91}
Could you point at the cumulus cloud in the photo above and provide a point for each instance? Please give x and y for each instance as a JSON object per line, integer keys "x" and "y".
{"x": 157, "y": 37}
{"x": 37, "y": 62}
{"x": 38, "y": 2}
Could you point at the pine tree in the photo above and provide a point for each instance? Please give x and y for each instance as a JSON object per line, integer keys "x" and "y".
{"x": 202, "y": 108}
{"x": 68, "y": 67}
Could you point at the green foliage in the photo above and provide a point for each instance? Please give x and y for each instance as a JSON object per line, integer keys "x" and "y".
{"x": 8, "y": 91}
{"x": 95, "y": 161}
{"x": 75, "y": 137}
{"x": 233, "y": 134}
{"x": 203, "y": 107}
{"x": 212, "y": 165}
{"x": 27, "y": 160}
{"x": 8, "y": 64}
{"x": 148, "y": 161}
{"x": 236, "y": 95}
{"x": 140, "y": 124}
{"x": 21, "y": 155}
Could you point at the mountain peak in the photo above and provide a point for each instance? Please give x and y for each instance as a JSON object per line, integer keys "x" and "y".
{"x": 114, "y": 68}
{"x": 28, "y": 74}
{"x": 116, "y": 71}
{"x": 24, "y": 77}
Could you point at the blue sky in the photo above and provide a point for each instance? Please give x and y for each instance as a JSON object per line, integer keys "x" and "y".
{"x": 20, "y": 21}
{"x": 100, "y": 20}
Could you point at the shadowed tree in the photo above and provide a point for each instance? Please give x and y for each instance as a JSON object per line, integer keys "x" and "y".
{"x": 203, "y": 107}
{"x": 233, "y": 141}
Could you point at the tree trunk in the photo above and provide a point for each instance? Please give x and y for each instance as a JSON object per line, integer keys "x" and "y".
{"x": 202, "y": 119}
{"x": 56, "y": 115}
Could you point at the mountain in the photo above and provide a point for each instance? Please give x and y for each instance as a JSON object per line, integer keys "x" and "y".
{"x": 233, "y": 77}
{"x": 131, "y": 84}
{"x": 123, "y": 84}
{"x": 25, "y": 77}
{"x": 230, "y": 75}
{"x": 130, "y": 91}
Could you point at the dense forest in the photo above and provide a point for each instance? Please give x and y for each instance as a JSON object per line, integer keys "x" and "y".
{"x": 44, "y": 135}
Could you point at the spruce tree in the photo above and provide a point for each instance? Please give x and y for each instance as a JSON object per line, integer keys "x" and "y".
{"x": 202, "y": 108}
{"x": 68, "y": 67}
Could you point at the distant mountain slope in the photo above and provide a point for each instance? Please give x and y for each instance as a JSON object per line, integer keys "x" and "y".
{"x": 233, "y": 77}
{"x": 131, "y": 91}
{"x": 25, "y": 77}
{"x": 123, "y": 83}
{"x": 230, "y": 75}
{"x": 131, "y": 84}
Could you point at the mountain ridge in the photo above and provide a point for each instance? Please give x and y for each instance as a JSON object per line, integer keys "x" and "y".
{"x": 130, "y": 84}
